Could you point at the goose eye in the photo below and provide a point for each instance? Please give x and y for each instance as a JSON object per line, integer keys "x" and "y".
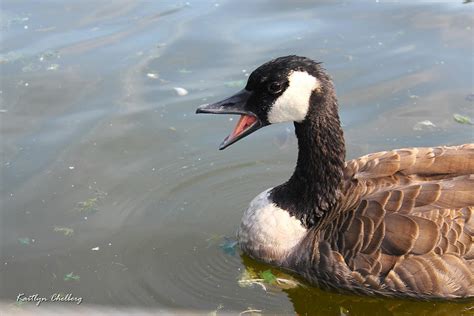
{"x": 274, "y": 87}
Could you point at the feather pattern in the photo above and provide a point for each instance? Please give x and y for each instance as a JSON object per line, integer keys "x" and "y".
{"x": 394, "y": 223}
{"x": 403, "y": 228}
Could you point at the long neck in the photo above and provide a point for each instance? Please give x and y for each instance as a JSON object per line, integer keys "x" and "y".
{"x": 312, "y": 192}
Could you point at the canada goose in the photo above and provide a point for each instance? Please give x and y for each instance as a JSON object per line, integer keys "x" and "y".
{"x": 394, "y": 223}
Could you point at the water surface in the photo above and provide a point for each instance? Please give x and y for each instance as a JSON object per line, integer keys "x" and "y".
{"x": 108, "y": 174}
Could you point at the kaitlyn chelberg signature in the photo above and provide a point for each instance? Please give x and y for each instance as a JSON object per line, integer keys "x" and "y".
{"x": 56, "y": 297}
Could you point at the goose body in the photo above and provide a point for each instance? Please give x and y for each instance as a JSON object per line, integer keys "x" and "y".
{"x": 395, "y": 223}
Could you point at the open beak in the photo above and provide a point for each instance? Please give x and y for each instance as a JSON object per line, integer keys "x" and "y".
{"x": 248, "y": 122}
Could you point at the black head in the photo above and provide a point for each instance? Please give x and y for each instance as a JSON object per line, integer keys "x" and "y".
{"x": 281, "y": 90}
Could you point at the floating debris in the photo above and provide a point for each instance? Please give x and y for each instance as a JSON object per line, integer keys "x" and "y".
{"x": 49, "y": 54}
{"x": 184, "y": 71}
{"x": 250, "y": 278}
{"x": 72, "y": 167}
{"x": 152, "y": 75}
{"x": 53, "y": 67}
{"x": 17, "y": 20}
{"x": 422, "y": 125}
{"x": 470, "y": 97}
{"x": 172, "y": 128}
{"x": 229, "y": 246}
{"x": 343, "y": 311}
{"x": 462, "y": 119}
{"x": 71, "y": 277}
{"x": 123, "y": 267}
{"x": 95, "y": 248}
{"x": 267, "y": 278}
{"x": 65, "y": 230}
{"x": 181, "y": 91}
{"x": 88, "y": 206}
{"x": 24, "y": 241}
{"x": 251, "y": 311}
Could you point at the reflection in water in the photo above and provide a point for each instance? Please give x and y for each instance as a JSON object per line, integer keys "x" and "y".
{"x": 107, "y": 174}
{"x": 308, "y": 300}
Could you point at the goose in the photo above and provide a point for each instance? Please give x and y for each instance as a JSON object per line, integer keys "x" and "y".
{"x": 396, "y": 223}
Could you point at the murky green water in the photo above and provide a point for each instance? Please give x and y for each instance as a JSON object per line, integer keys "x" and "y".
{"x": 108, "y": 174}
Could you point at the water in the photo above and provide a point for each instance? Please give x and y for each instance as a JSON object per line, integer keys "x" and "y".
{"x": 108, "y": 174}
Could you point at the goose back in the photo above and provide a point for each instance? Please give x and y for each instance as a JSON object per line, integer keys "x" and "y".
{"x": 403, "y": 228}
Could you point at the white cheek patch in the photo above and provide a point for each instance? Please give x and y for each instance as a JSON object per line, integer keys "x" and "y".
{"x": 293, "y": 104}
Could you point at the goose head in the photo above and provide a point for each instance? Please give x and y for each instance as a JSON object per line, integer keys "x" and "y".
{"x": 285, "y": 89}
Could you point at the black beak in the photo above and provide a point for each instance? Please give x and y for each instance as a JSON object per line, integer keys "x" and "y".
{"x": 248, "y": 122}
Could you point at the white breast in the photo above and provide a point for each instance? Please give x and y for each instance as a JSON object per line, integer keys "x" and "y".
{"x": 268, "y": 232}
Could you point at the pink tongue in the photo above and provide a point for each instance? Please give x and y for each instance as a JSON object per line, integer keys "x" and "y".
{"x": 244, "y": 122}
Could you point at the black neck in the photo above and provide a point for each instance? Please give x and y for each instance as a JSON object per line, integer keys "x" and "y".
{"x": 312, "y": 192}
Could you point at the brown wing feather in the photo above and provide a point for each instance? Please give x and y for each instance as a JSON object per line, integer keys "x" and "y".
{"x": 408, "y": 220}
